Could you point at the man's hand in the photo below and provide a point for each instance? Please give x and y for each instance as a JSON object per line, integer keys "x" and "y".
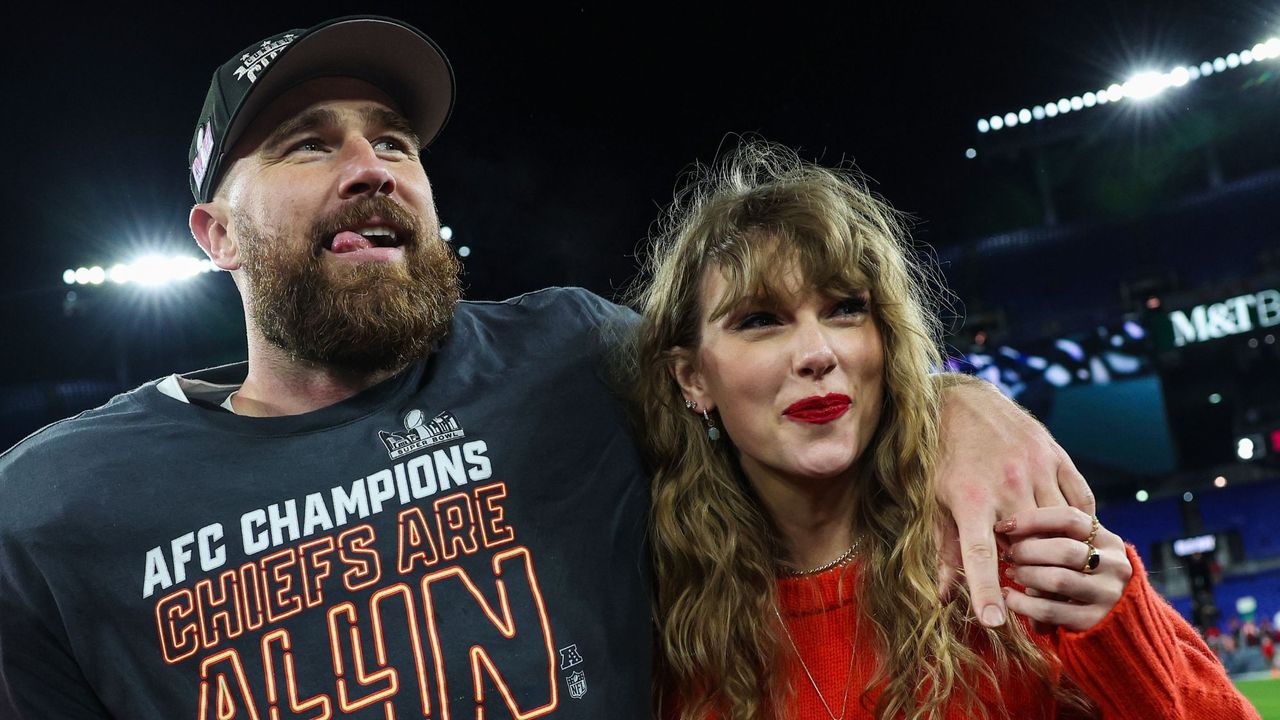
{"x": 996, "y": 460}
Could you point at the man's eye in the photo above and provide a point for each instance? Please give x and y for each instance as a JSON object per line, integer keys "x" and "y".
{"x": 392, "y": 145}
{"x": 308, "y": 145}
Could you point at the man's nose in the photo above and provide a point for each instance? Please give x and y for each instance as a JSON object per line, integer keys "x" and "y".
{"x": 364, "y": 173}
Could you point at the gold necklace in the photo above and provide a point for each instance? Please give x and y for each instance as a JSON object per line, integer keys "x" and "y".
{"x": 844, "y": 558}
{"x": 844, "y": 704}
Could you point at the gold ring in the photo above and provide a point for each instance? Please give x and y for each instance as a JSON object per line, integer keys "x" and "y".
{"x": 1093, "y": 531}
{"x": 1091, "y": 559}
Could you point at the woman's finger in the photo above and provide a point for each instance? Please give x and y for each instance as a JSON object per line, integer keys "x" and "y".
{"x": 1067, "y": 521}
{"x": 1068, "y": 584}
{"x": 1054, "y": 612}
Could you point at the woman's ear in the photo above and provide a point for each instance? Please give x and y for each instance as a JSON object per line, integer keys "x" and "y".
{"x": 684, "y": 368}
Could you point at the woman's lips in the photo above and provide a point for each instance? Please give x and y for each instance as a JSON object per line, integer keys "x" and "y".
{"x": 819, "y": 409}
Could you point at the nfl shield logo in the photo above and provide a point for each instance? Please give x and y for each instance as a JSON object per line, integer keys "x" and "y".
{"x": 577, "y": 685}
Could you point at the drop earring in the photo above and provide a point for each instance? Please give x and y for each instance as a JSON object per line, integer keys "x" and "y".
{"x": 713, "y": 432}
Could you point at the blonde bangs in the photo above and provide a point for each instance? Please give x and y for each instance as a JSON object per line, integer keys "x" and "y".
{"x": 758, "y": 264}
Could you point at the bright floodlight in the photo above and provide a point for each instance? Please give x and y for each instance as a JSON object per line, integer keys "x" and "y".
{"x": 446, "y": 233}
{"x": 997, "y": 122}
{"x": 464, "y": 251}
{"x": 1010, "y": 119}
{"x": 1179, "y": 76}
{"x": 971, "y": 153}
{"x": 1146, "y": 85}
{"x": 983, "y": 125}
{"x": 1024, "y": 115}
{"x": 1220, "y": 481}
{"x": 1244, "y": 448}
{"x": 1233, "y": 60}
{"x": 1051, "y": 110}
{"x": 1037, "y": 112}
{"x": 151, "y": 270}
{"x": 1142, "y": 495}
{"x": 1077, "y": 103}
{"x": 1090, "y": 99}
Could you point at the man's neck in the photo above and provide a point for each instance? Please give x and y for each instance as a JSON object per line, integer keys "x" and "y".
{"x": 278, "y": 385}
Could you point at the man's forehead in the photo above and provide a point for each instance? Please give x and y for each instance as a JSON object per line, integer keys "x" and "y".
{"x": 332, "y": 93}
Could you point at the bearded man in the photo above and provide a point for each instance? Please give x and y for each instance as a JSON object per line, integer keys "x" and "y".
{"x": 292, "y": 536}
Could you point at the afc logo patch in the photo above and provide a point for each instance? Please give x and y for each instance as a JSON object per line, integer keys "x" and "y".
{"x": 576, "y": 680}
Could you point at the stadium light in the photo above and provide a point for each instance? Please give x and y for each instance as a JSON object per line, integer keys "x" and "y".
{"x": 1250, "y": 447}
{"x": 1140, "y": 87}
{"x": 446, "y": 233}
{"x": 149, "y": 270}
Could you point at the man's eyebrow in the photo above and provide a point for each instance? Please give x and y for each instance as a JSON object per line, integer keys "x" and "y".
{"x": 391, "y": 120}
{"x": 306, "y": 122}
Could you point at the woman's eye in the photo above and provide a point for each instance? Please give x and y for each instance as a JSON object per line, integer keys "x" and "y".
{"x": 756, "y": 320}
{"x": 851, "y": 306}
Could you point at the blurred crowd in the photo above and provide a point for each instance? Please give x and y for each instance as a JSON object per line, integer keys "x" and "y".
{"x": 1247, "y": 646}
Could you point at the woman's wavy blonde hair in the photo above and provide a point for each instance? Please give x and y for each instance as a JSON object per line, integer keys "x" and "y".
{"x": 716, "y": 552}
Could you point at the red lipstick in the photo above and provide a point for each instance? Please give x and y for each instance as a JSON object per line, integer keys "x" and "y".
{"x": 819, "y": 409}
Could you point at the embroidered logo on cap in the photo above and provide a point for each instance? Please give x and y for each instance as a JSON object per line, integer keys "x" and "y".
{"x": 204, "y": 147}
{"x": 251, "y": 64}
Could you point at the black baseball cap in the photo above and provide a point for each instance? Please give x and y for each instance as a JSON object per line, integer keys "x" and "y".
{"x": 394, "y": 57}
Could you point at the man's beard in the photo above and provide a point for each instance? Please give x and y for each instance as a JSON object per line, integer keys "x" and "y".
{"x": 364, "y": 317}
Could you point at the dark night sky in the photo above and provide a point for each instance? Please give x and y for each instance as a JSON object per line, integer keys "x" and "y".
{"x": 571, "y": 125}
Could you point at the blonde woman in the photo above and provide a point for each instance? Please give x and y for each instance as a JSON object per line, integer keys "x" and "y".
{"x": 784, "y": 387}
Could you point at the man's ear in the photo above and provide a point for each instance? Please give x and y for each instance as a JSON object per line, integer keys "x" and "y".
{"x": 684, "y": 368}
{"x": 208, "y": 223}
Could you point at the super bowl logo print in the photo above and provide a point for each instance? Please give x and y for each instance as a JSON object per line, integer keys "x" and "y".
{"x": 420, "y": 433}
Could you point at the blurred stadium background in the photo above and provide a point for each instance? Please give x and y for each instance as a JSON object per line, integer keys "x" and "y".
{"x": 1101, "y": 190}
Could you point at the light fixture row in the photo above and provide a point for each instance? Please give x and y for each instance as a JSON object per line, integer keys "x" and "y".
{"x": 1142, "y": 86}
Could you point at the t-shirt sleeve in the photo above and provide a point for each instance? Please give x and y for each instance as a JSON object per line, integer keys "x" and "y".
{"x": 1144, "y": 660}
{"x": 39, "y": 677}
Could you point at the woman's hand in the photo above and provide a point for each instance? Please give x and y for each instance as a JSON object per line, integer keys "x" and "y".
{"x": 1079, "y": 568}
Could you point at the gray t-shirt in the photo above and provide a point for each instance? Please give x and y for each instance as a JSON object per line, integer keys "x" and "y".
{"x": 463, "y": 540}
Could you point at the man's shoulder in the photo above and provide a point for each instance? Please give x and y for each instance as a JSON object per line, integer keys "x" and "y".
{"x": 553, "y": 302}
{"x": 565, "y": 315}
{"x": 63, "y": 441}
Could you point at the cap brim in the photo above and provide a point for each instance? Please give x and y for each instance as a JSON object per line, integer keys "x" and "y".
{"x": 396, "y": 58}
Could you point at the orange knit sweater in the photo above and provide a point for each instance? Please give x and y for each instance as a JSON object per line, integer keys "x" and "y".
{"x": 1143, "y": 661}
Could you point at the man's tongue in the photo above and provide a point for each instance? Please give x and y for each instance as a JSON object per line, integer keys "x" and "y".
{"x": 347, "y": 241}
